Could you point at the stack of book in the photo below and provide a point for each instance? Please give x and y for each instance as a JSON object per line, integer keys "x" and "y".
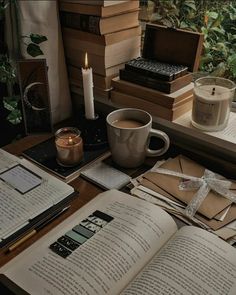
{"x": 108, "y": 31}
{"x": 157, "y": 103}
{"x": 160, "y": 81}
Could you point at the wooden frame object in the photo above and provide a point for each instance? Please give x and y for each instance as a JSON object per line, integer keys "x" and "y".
{"x": 35, "y": 95}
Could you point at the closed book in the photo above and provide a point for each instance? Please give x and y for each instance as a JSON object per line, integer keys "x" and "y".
{"x": 164, "y": 86}
{"x": 108, "y": 51}
{"x": 97, "y": 2}
{"x": 44, "y": 155}
{"x": 105, "y": 57}
{"x": 167, "y": 100}
{"x": 101, "y": 71}
{"x": 98, "y": 10}
{"x": 107, "y": 39}
{"x": 96, "y": 24}
{"x": 102, "y": 82}
{"x": 123, "y": 100}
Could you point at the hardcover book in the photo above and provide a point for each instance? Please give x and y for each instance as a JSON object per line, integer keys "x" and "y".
{"x": 98, "y": 10}
{"x": 171, "y": 100}
{"x": 97, "y": 25}
{"x": 99, "y": 81}
{"x": 101, "y": 63}
{"x": 44, "y": 155}
{"x": 116, "y": 50}
{"x": 164, "y": 86}
{"x": 119, "y": 244}
{"x": 107, "y": 39}
{"x": 123, "y": 100}
{"x": 97, "y": 2}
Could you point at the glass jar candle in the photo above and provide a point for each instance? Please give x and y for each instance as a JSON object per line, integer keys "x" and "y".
{"x": 212, "y": 103}
{"x": 69, "y": 146}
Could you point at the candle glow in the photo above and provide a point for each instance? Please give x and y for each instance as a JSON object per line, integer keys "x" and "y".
{"x": 86, "y": 61}
{"x": 70, "y": 141}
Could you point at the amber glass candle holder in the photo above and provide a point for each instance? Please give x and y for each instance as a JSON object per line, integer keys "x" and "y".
{"x": 69, "y": 145}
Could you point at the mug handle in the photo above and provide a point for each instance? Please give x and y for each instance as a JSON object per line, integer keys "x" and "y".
{"x": 158, "y": 134}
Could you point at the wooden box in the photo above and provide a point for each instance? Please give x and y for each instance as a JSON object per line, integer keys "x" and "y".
{"x": 173, "y": 46}
{"x": 168, "y": 45}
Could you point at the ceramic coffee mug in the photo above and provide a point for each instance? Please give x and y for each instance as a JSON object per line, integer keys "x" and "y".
{"x": 129, "y": 131}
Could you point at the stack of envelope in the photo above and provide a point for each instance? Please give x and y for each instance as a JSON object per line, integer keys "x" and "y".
{"x": 216, "y": 212}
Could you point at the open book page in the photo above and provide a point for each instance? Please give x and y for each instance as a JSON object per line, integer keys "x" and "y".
{"x": 107, "y": 261}
{"x": 25, "y": 192}
{"x": 7, "y": 160}
{"x": 192, "y": 262}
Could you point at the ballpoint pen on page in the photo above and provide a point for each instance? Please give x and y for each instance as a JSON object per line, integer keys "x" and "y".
{"x": 36, "y": 229}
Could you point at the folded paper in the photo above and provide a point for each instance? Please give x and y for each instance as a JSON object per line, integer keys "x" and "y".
{"x": 210, "y": 206}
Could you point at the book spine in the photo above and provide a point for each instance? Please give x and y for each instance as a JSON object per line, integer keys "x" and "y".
{"x": 83, "y": 22}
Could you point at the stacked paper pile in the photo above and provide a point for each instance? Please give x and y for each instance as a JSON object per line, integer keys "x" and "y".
{"x": 179, "y": 187}
{"x": 108, "y": 31}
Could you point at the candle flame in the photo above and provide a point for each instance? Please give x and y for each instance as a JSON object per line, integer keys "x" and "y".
{"x": 70, "y": 141}
{"x": 86, "y": 61}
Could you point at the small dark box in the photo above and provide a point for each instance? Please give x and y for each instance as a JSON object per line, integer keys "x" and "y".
{"x": 170, "y": 46}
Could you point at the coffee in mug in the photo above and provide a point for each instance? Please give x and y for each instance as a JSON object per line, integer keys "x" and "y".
{"x": 129, "y": 132}
{"x": 127, "y": 123}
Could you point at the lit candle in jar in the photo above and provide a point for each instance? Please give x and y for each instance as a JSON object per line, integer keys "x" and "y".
{"x": 212, "y": 102}
{"x": 69, "y": 146}
{"x": 87, "y": 75}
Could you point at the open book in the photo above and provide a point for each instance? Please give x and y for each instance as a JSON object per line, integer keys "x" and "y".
{"x": 29, "y": 197}
{"x": 138, "y": 250}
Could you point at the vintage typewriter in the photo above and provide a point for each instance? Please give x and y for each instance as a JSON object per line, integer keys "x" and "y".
{"x": 155, "y": 69}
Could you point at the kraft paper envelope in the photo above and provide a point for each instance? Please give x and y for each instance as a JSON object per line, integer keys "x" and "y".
{"x": 212, "y": 223}
{"x": 216, "y": 224}
{"x": 211, "y": 206}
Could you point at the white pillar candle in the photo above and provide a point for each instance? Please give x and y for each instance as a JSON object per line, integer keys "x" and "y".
{"x": 211, "y": 106}
{"x": 87, "y": 75}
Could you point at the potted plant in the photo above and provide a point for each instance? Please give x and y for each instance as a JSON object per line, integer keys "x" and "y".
{"x": 216, "y": 20}
{"x": 10, "y": 100}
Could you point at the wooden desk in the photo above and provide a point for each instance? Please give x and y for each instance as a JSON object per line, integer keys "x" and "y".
{"x": 87, "y": 191}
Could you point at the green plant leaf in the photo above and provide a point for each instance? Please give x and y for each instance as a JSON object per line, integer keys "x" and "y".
{"x": 190, "y": 4}
{"x": 232, "y": 64}
{"x": 218, "y": 30}
{"x": 212, "y": 14}
{"x": 7, "y": 70}
{"x": 34, "y": 50}
{"x": 15, "y": 117}
{"x": 37, "y": 39}
{"x": 219, "y": 70}
{"x": 217, "y": 22}
{"x": 10, "y": 103}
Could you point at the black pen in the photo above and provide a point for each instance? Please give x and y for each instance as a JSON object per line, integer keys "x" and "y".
{"x": 36, "y": 229}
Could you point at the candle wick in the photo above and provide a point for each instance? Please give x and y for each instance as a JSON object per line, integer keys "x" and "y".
{"x": 213, "y": 91}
